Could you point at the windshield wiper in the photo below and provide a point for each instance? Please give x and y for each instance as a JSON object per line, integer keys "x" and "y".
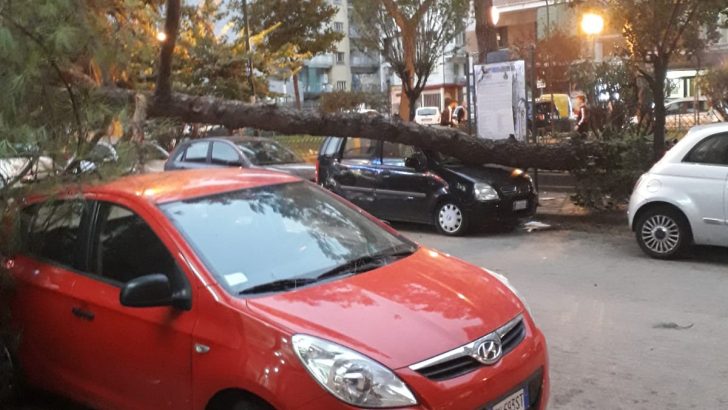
{"x": 278, "y": 285}
{"x": 367, "y": 263}
{"x": 359, "y": 265}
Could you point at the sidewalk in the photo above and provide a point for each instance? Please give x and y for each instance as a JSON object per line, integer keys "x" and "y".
{"x": 558, "y": 209}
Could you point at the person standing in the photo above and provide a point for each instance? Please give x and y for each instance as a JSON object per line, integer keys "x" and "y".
{"x": 447, "y": 119}
{"x": 582, "y": 116}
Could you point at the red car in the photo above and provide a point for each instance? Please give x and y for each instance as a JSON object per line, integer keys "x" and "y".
{"x": 250, "y": 289}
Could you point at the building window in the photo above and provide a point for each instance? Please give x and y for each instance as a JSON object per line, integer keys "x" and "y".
{"x": 341, "y": 85}
{"x": 340, "y": 58}
{"x": 339, "y": 26}
{"x": 431, "y": 100}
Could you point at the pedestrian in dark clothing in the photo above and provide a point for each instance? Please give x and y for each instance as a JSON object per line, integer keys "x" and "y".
{"x": 447, "y": 119}
{"x": 582, "y": 116}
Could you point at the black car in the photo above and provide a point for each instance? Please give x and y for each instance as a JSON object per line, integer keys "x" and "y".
{"x": 243, "y": 152}
{"x": 398, "y": 182}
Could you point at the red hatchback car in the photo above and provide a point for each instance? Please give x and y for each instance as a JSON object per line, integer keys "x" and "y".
{"x": 250, "y": 289}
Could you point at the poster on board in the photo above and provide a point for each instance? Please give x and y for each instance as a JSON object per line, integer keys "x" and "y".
{"x": 500, "y": 90}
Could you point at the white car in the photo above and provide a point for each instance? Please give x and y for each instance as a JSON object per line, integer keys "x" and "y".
{"x": 681, "y": 113}
{"x": 683, "y": 199}
{"x": 427, "y": 116}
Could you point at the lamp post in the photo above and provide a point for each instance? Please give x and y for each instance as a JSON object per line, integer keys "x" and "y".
{"x": 592, "y": 25}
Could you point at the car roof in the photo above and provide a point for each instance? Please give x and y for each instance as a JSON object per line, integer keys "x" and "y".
{"x": 231, "y": 138}
{"x": 171, "y": 186}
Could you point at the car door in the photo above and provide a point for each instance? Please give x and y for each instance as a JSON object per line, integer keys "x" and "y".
{"x": 354, "y": 176}
{"x": 225, "y": 155}
{"x": 53, "y": 238}
{"x": 131, "y": 358}
{"x": 403, "y": 193}
{"x": 196, "y": 155}
{"x": 704, "y": 172}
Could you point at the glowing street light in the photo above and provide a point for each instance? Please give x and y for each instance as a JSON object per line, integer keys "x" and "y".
{"x": 592, "y": 24}
{"x": 494, "y": 15}
{"x": 161, "y": 36}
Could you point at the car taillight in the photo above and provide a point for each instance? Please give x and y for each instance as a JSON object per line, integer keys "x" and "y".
{"x": 316, "y": 172}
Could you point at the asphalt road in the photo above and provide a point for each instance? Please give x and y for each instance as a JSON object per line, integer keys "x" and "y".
{"x": 624, "y": 331}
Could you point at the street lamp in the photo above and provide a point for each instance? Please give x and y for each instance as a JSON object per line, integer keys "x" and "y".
{"x": 161, "y": 36}
{"x": 494, "y": 15}
{"x": 592, "y": 24}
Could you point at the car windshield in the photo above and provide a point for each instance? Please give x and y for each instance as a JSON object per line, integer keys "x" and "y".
{"x": 426, "y": 111}
{"x": 262, "y": 152}
{"x": 254, "y": 237}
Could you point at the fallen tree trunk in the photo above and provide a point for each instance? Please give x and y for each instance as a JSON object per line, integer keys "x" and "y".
{"x": 471, "y": 150}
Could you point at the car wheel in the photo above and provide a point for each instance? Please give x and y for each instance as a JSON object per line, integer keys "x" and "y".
{"x": 450, "y": 219}
{"x": 663, "y": 233}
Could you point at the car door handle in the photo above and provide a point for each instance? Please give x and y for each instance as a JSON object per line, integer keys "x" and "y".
{"x": 83, "y": 314}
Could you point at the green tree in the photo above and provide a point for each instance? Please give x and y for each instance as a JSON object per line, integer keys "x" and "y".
{"x": 658, "y": 32}
{"x": 304, "y": 29}
{"x": 412, "y": 35}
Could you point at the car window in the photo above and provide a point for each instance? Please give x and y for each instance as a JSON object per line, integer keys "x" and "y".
{"x": 712, "y": 150}
{"x": 331, "y": 147}
{"x": 224, "y": 154}
{"x": 426, "y": 111}
{"x": 53, "y": 231}
{"x": 127, "y": 248}
{"x": 197, "y": 152}
{"x": 260, "y": 235}
{"x": 395, "y": 154}
{"x": 360, "y": 148}
{"x": 267, "y": 152}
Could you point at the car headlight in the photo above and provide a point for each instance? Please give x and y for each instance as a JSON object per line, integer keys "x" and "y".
{"x": 350, "y": 376}
{"x": 504, "y": 280}
{"x": 484, "y": 192}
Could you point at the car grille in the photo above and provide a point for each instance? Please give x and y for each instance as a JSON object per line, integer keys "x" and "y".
{"x": 459, "y": 361}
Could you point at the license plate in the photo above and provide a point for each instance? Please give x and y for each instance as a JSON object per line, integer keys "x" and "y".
{"x": 516, "y": 401}
{"x": 520, "y": 205}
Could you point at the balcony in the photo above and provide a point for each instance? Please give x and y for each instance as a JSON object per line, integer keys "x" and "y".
{"x": 321, "y": 61}
{"x": 364, "y": 63}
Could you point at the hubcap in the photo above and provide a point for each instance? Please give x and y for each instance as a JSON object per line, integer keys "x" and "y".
{"x": 450, "y": 218}
{"x": 660, "y": 234}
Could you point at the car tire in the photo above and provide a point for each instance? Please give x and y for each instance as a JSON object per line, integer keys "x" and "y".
{"x": 451, "y": 219}
{"x": 663, "y": 232}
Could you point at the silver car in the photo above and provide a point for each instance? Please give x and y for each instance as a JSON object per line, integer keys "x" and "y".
{"x": 683, "y": 199}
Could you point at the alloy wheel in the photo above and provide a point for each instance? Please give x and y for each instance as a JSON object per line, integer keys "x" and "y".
{"x": 450, "y": 218}
{"x": 660, "y": 234}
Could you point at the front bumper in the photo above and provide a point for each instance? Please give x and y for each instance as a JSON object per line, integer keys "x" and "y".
{"x": 526, "y": 366}
{"x": 502, "y": 210}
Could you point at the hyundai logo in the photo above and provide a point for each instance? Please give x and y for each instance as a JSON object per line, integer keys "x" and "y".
{"x": 489, "y": 350}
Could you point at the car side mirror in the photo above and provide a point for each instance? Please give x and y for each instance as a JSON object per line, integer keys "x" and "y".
{"x": 416, "y": 162}
{"x": 147, "y": 291}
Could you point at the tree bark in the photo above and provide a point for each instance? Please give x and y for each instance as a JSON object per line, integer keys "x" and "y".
{"x": 406, "y": 105}
{"x": 449, "y": 141}
{"x": 171, "y": 28}
{"x": 485, "y": 31}
{"x": 658, "y": 91}
{"x": 296, "y": 91}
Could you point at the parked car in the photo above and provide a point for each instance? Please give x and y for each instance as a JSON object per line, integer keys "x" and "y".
{"x": 681, "y": 113}
{"x": 12, "y": 167}
{"x": 398, "y": 182}
{"x": 546, "y": 113}
{"x": 427, "y": 116}
{"x": 258, "y": 291}
{"x": 242, "y": 152}
{"x": 152, "y": 158}
{"x": 682, "y": 200}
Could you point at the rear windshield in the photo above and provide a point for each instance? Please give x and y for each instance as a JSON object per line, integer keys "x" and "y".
{"x": 254, "y": 237}
{"x": 267, "y": 152}
{"x": 426, "y": 111}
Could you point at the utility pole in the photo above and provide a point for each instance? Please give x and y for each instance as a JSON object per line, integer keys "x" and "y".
{"x": 251, "y": 82}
